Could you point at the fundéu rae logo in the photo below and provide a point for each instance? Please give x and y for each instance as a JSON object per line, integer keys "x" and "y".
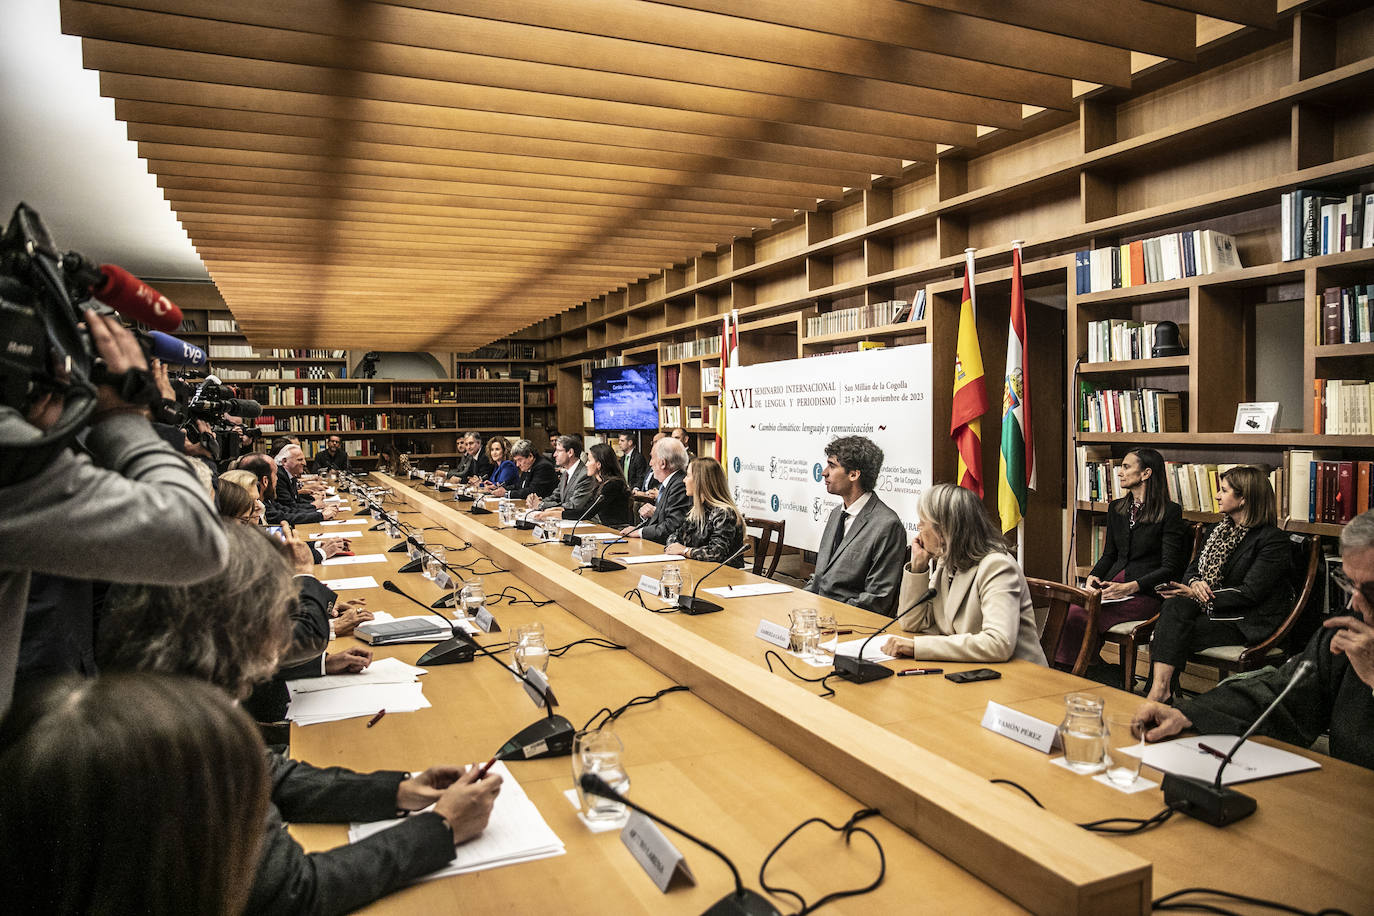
{"x": 816, "y": 470}
{"x": 775, "y": 502}
{"x": 737, "y": 464}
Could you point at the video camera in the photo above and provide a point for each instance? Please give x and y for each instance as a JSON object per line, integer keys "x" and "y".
{"x": 219, "y": 406}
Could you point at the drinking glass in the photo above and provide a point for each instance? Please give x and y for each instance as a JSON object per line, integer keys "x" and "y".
{"x": 1083, "y": 733}
{"x": 599, "y": 751}
{"x": 1123, "y": 768}
{"x": 586, "y": 552}
{"x": 827, "y": 631}
{"x": 804, "y": 632}
{"x": 474, "y": 597}
{"x": 440, "y": 474}
{"x": 670, "y": 583}
{"x": 459, "y": 609}
{"x": 530, "y": 649}
{"x": 434, "y": 562}
{"x": 507, "y": 511}
{"x": 550, "y": 528}
{"x": 412, "y": 545}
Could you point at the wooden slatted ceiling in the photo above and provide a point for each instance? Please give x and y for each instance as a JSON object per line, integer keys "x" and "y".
{"x": 424, "y": 174}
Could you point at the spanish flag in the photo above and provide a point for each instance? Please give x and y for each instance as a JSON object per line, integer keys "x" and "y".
{"x": 970, "y": 394}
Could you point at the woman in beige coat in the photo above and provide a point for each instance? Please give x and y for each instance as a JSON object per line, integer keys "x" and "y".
{"x": 981, "y": 610}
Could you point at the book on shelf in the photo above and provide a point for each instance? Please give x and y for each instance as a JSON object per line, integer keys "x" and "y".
{"x": 872, "y": 345}
{"x": 1345, "y": 315}
{"x": 1141, "y": 410}
{"x": 862, "y": 317}
{"x": 1111, "y": 339}
{"x": 1316, "y": 221}
{"x": 710, "y": 378}
{"x": 670, "y": 416}
{"x": 1174, "y": 256}
{"x": 1343, "y": 407}
{"x": 706, "y": 346}
{"x": 671, "y": 377}
{"x": 607, "y": 362}
{"x": 693, "y": 417}
{"x": 220, "y": 325}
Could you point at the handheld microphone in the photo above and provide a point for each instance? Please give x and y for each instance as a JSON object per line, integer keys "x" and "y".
{"x": 692, "y": 605}
{"x": 741, "y": 901}
{"x": 571, "y": 539}
{"x": 452, "y": 651}
{"x": 601, "y": 564}
{"x": 123, "y": 292}
{"x": 1210, "y": 802}
{"x": 860, "y": 671}
{"x": 173, "y": 350}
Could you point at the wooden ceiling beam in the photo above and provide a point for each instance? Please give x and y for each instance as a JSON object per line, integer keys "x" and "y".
{"x": 1131, "y": 24}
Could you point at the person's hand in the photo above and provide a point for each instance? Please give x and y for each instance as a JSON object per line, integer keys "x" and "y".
{"x": 629, "y": 531}
{"x": 466, "y": 804}
{"x": 120, "y": 351}
{"x": 1094, "y": 582}
{"x": 1158, "y": 721}
{"x": 318, "y": 502}
{"x": 499, "y": 492}
{"x": 920, "y": 557}
{"x": 164, "y": 384}
{"x": 332, "y": 547}
{"x": 679, "y": 549}
{"x": 1174, "y": 590}
{"x": 424, "y": 789}
{"x": 302, "y": 560}
{"x": 1202, "y": 592}
{"x": 349, "y": 661}
{"x": 532, "y": 501}
{"x": 348, "y": 620}
{"x": 1114, "y": 590}
{"x": 898, "y": 647}
{"x": 646, "y": 510}
{"x": 329, "y": 512}
{"x": 1355, "y": 640}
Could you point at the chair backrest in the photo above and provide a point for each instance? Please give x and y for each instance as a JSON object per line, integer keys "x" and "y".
{"x": 1055, "y": 598}
{"x": 1199, "y": 535}
{"x": 1307, "y": 562}
{"x": 770, "y": 535}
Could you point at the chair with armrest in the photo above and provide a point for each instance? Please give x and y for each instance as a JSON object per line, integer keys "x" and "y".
{"x": 768, "y": 541}
{"x": 1055, "y": 598}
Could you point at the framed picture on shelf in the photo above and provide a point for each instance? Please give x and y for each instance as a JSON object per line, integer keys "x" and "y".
{"x": 1256, "y": 417}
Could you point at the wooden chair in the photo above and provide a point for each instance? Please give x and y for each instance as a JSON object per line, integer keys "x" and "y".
{"x": 1055, "y": 598}
{"x": 770, "y": 529}
{"x": 1129, "y": 635}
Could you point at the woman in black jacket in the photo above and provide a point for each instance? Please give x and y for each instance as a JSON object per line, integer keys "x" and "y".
{"x": 1237, "y": 589}
{"x": 1146, "y": 544}
{"x": 714, "y": 528}
{"x": 612, "y": 496}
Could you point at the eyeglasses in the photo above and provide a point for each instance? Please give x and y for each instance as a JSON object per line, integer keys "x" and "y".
{"x": 1343, "y": 582}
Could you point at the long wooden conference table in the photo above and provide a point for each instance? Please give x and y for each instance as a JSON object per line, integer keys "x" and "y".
{"x": 748, "y": 754}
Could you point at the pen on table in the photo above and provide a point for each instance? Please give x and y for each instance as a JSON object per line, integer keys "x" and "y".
{"x": 483, "y": 772}
{"x": 846, "y": 631}
{"x": 915, "y": 671}
{"x": 1211, "y": 750}
{"x": 377, "y": 718}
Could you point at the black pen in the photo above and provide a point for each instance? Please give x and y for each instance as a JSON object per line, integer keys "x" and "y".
{"x": 915, "y": 671}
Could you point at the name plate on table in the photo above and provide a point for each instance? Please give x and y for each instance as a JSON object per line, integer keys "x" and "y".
{"x": 536, "y": 696}
{"x": 658, "y": 857}
{"x": 444, "y": 580}
{"x": 648, "y": 585}
{"x": 486, "y": 622}
{"x": 774, "y": 633}
{"x": 1018, "y": 726}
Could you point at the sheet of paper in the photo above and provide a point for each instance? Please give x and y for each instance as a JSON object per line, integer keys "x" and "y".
{"x": 334, "y": 534}
{"x": 333, "y": 499}
{"x": 341, "y": 521}
{"x": 381, "y": 671}
{"x": 1185, "y": 757}
{"x": 599, "y": 536}
{"x": 748, "y": 591}
{"x": 352, "y": 702}
{"x": 355, "y": 561}
{"x": 874, "y": 652}
{"x": 515, "y": 833}
{"x": 651, "y": 558}
{"x": 341, "y": 585}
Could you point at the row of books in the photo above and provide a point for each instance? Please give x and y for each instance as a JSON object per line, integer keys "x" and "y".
{"x": 354, "y": 448}
{"x": 706, "y": 346}
{"x": 1167, "y": 257}
{"x": 330, "y": 395}
{"x": 1316, "y": 221}
{"x": 672, "y": 377}
{"x": 271, "y": 372}
{"x": 343, "y": 422}
{"x": 495, "y": 394}
{"x": 1346, "y": 315}
{"x": 605, "y": 362}
{"x": 1193, "y": 486}
{"x": 1322, "y": 490}
{"x": 670, "y": 416}
{"x": 485, "y": 372}
{"x": 541, "y": 397}
{"x": 1119, "y": 338}
{"x": 705, "y": 415}
{"x": 1343, "y": 407}
{"x": 489, "y": 418}
{"x": 710, "y": 378}
{"x": 422, "y": 394}
{"x": 867, "y": 316}
{"x": 506, "y": 350}
{"x": 1139, "y": 410}
{"x": 244, "y": 351}
{"x": 219, "y": 326}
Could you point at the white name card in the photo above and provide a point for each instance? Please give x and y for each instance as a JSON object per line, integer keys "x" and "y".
{"x": 774, "y": 633}
{"x": 648, "y": 585}
{"x": 486, "y": 622}
{"x": 658, "y": 857}
{"x": 536, "y": 696}
{"x": 444, "y": 580}
{"x": 1018, "y": 726}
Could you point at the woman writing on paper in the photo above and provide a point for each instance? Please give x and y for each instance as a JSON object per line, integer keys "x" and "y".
{"x": 1238, "y": 588}
{"x": 714, "y": 528}
{"x": 1146, "y": 547}
{"x": 981, "y": 610}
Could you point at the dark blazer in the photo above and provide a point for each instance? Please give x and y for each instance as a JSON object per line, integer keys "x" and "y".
{"x": 338, "y": 461}
{"x": 719, "y": 536}
{"x": 288, "y": 505}
{"x": 638, "y": 466}
{"x": 1152, "y": 553}
{"x": 615, "y": 510}
{"x": 670, "y": 511}
{"x": 539, "y": 480}
{"x": 866, "y": 570}
{"x": 340, "y": 880}
{"x": 1256, "y": 582}
{"x": 288, "y": 493}
{"x": 309, "y": 641}
{"x": 60, "y": 624}
{"x": 574, "y": 493}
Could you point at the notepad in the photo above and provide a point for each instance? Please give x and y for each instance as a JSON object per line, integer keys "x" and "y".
{"x": 334, "y": 534}
{"x": 341, "y": 521}
{"x": 341, "y": 585}
{"x": 748, "y": 591}
{"x": 353, "y": 702}
{"x": 1184, "y": 757}
{"x": 651, "y": 558}
{"x": 355, "y": 561}
{"x": 850, "y": 647}
{"x": 381, "y": 671}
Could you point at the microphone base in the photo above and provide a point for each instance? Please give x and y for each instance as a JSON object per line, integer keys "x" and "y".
{"x": 692, "y": 606}
{"x": 572, "y": 540}
{"x": 377, "y": 527}
{"x": 859, "y": 671}
{"x": 524, "y": 525}
{"x": 550, "y": 737}
{"x": 477, "y": 510}
{"x": 446, "y": 601}
{"x": 397, "y": 548}
{"x": 453, "y": 651}
{"x": 412, "y": 566}
{"x": 600, "y": 564}
{"x": 1205, "y": 802}
{"x": 743, "y": 903}
{"x": 443, "y": 489}
{"x": 462, "y": 498}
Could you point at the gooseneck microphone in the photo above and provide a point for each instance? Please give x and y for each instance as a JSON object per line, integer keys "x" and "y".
{"x": 551, "y": 736}
{"x": 858, "y": 669}
{"x": 692, "y": 605}
{"x": 741, "y": 900}
{"x": 571, "y": 539}
{"x": 452, "y": 651}
{"x": 1210, "y": 802}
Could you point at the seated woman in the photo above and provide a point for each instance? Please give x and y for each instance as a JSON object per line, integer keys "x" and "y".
{"x": 237, "y": 497}
{"x": 981, "y": 610}
{"x": 102, "y": 774}
{"x": 610, "y": 498}
{"x": 1146, "y": 547}
{"x": 503, "y": 470}
{"x": 1238, "y": 588}
{"x": 714, "y": 527}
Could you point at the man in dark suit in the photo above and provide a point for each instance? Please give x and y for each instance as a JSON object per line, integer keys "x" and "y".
{"x": 859, "y": 559}
{"x": 538, "y": 476}
{"x": 265, "y": 470}
{"x": 632, "y": 461}
{"x": 665, "y": 515}
{"x": 575, "y": 490}
{"x": 333, "y": 457}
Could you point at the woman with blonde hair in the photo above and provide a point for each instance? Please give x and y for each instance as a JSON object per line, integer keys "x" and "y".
{"x": 238, "y": 497}
{"x": 981, "y": 609}
{"x": 714, "y": 527}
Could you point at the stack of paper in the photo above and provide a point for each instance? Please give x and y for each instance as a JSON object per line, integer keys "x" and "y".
{"x": 342, "y": 585}
{"x": 355, "y": 560}
{"x": 1191, "y": 757}
{"x": 516, "y": 833}
{"x": 387, "y": 684}
{"x": 850, "y": 647}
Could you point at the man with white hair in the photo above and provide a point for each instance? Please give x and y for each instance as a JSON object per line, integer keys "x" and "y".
{"x": 666, "y": 515}
{"x": 290, "y": 466}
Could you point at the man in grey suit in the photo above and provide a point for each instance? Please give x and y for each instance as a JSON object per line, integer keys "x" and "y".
{"x": 573, "y": 495}
{"x": 859, "y": 559}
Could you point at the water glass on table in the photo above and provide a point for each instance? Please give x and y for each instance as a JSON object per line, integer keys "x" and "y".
{"x": 549, "y": 528}
{"x": 413, "y": 545}
{"x": 1123, "y": 767}
{"x": 434, "y": 562}
{"x": 827, "y": 631}
{"x": 474, "y": 598}
{"x": 670, "y": 582}
{"x": 1083, "y": 733}
{"x": 599, "y": 751}
{"x": 529, "y": 648}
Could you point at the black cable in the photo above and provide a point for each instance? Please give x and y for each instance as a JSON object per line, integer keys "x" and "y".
{"x": 1168, "y": 902}
{"x": 470, "y": 567}
{"x": 825, "y": 688}
{"x": 1137, "y": 824}
{"x": 634, "y": 595}
{"x": 611, "y": 716}
{"x": 1016, "y": 785}
{"x": 507, "y": 594}
{"x": 590, "y": 641}
{"x": 848, "y": 829}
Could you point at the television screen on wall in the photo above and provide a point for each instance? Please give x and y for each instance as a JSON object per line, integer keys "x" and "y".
{"x": 625, "y": 397}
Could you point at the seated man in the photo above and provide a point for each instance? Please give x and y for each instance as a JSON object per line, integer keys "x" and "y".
{"x": 645, "y": 486}
{"x": 264, "y": 469}
{"x": 465, "y": 466}
{"x": 537, "y": 474}
{"x": 333, "y": 457}
{"x": 1338, "y": 697}
{"x": 574, "y": 493}
{"x": 666, "y": 515}
{"x": 860, "y": 556}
